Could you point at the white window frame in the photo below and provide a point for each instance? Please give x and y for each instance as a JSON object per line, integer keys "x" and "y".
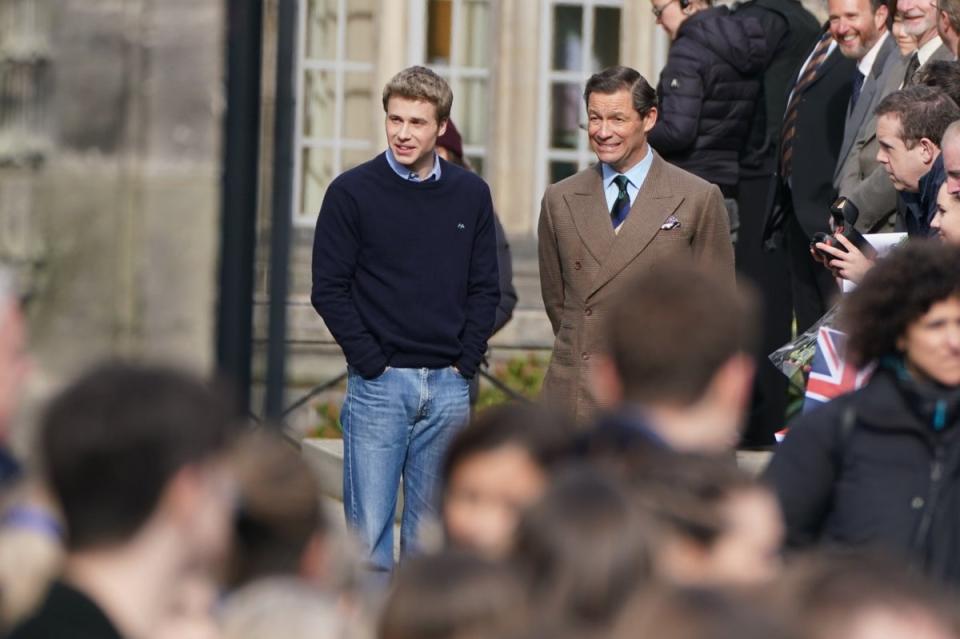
{"x": 339, "y": 66}
{"x": 453, "y": 72}
{"x": 582, "y": 155}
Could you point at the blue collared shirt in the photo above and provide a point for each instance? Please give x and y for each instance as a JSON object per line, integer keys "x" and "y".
{"x": 635, "y": 174}
{"x": 407, "y": 174}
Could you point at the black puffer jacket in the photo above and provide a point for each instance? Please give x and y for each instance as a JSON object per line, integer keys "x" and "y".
{"x": 708, "y": 92}
{"x": 869, "y": 469}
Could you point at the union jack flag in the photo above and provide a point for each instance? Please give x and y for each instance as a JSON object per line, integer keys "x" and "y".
{"x": 830, "y": 374}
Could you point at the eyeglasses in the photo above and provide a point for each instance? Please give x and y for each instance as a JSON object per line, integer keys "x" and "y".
{"x": 658, "y": 11}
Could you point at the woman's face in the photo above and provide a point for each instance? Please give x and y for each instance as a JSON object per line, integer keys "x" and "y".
{"x": 905, "y": 42}
{"x": 946, "y": 220}
{"x": 486, "y": 493}
{"x": 931, "y": 343}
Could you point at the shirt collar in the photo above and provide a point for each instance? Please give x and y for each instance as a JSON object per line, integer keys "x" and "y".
{"x": 636, "y": 173}
{"x": 866, "y": 63}
{"x": 409, "y": 175}
{"x": 927, "y": 50}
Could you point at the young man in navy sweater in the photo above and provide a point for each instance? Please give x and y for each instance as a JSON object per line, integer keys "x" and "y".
{"x": 405, "y": 277}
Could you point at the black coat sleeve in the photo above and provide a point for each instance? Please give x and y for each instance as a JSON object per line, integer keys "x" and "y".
{"x": 803, "y": 472}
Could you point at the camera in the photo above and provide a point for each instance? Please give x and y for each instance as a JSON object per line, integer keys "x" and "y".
{"x": 841, "y": 211}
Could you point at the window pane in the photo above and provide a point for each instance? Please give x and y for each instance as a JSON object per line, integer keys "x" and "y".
{"x": 565, "y": 112}
{"x": 560, "y": 170}
{"x": 358, "y": 106}
{"x": 316, "y": 173}
{"x": 353, "y": 157}
{"x": 476, "y": 33}
{"x": 361, "y": 40}
{"x": 439, "y": 31}
{"x": 568, "y": 38}
{"x": 318, "y": 103}
{"x": 606, "y": 37}
{"x": 476, "y": 163}
{"x": 472, "y": 111}
{"x": 321, "y": 29}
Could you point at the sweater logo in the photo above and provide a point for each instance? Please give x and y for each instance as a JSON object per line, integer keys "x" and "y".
{"x": 674, "y": 84}
{"x": 461, "y": 226}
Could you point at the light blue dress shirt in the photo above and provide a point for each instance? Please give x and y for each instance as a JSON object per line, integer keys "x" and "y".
{"x": 407, "y": 174}
{"x": 635, "y": 174}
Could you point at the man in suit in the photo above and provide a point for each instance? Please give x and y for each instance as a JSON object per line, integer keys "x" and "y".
{"x": 874, "y": 196}
{"x": 809, "y": 146}
{"x": 630, "y": 213}
{"x": 861, "y": 29}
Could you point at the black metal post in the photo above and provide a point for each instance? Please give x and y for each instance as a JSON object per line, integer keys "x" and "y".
{"x": 282, "y": 203}
{"x": 238, "y": 199}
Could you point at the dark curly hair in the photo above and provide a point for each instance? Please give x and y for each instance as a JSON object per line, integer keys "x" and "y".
{"x": 896, "y": 292}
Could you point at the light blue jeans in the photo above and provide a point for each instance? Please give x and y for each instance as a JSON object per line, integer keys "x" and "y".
{"x": 398, "y": 424}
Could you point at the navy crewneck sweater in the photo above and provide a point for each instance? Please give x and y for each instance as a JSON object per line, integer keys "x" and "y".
{"x": 405, "y": 273}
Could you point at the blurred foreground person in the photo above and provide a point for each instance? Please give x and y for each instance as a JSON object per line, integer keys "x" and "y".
{"x": 881, "y": 466}
{"x": 289, "y": 609}
{"x": 583, "y": 551}
{"x": 452, "y": 595}
{"x": 136, "y": 458}
{"x": 862, "y": 596}
{"x": 698, "y": 613}
{"x": 495, "y": 468}
{"x": 716, "y": 525}
{"x": 678, "y": 367}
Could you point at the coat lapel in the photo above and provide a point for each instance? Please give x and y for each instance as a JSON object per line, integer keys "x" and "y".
{"x": 587, "y": 204}
{"x": 655, "y": 202}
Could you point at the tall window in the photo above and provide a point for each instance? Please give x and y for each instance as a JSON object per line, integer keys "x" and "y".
{"x": 334, "y": 96}
{"x": 457, "y": 45}
{"x": 584, "y": 37}
{"x": 24, "y": 80}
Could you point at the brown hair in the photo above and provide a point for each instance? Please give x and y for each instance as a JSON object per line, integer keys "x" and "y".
{"x": 673, "y": 329}
{"x": 420, "y": 83}
{"x": 614, "y": 79}
{"x": 923, "y": 111}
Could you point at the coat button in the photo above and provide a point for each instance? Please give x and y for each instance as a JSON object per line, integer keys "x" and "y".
{"x": 588, "y": 312}
{"x": 577, "y": 265}
{"x": 916, "y": 503}
{"x": 584, "y": 356}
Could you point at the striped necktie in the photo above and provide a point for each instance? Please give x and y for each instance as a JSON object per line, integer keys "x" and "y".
{"x": 789, "y": 131}
{"x": 621, "y": 206}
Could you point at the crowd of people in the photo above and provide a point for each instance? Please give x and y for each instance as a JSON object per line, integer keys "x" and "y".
{"x": 613, "y": 506}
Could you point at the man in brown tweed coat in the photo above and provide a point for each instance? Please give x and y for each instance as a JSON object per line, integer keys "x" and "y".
{"x": 630, "y": 213}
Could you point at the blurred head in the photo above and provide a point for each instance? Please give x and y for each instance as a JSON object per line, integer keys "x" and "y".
{"x": 950, "y": 148}
{"x": 856, "y": 25}
{"x": 453, "y": 595}
{"x": 621, "y": 110}
{"x": 948, "y": 22}
{"x": 908, "y": 305}
{"x": 910, "y": 125}
{"x": 861, "y": 596}
{"x": 670, "y": 14}
{"x": 450, "y": 146}
{"x": 279, "y": 528}
{"x": 946, "y": 221}
{"x": 717, "y": 525}
{"x": 417, "y": 104}
{"x": 495, "y": 468}
{"x": 905, "y": 42}
{"x": 943, "y": 74}
{"x": 919, "y": 19}
{"x": 14, "y": 362}
{"x": 133, "y": 450}
{"x": 584, "y": 549}
{"x": 288, "y": 608}
{"x": 698, "y": 613}
{"x": 660, "y": 353}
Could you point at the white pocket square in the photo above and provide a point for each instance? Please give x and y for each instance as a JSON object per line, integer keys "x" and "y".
{"x": 670, "y": 223}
